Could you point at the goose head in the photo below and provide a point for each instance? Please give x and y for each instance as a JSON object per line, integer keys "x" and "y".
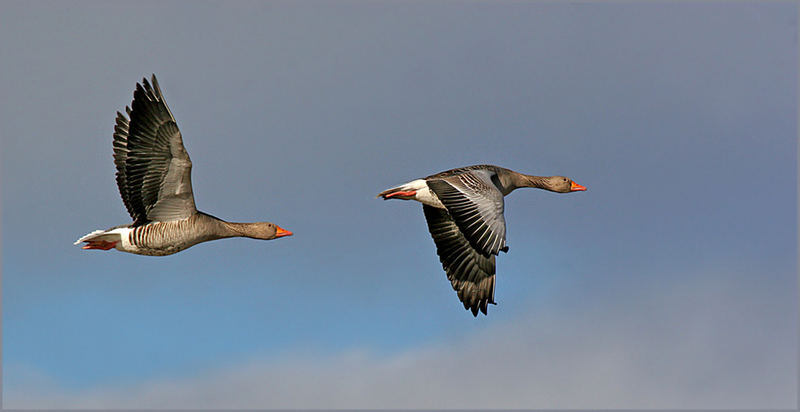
{"x": 266, "y": 231}
{"x": 561, "y": 184}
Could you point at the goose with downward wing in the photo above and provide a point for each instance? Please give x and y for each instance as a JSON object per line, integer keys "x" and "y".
{"x": 464, "y": 211}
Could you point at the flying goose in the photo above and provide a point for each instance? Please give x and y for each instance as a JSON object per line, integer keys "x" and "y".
{"x": 154, "y": 177}
{"x": 464, "y": 211}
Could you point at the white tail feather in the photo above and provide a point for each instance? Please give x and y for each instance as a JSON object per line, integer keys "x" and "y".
{"x": 107, "y": 235}
{"x": 89, "y": 236}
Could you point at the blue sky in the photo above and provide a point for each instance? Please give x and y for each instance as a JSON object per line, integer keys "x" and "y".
{"x": 670, "y": 283}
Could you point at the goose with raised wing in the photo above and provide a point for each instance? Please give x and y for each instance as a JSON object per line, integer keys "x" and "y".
{"x": 155, "y": 182}
{"x": 464, "y": 210}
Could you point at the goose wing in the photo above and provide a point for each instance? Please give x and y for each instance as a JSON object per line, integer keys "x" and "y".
{"x": 471, "y": 273}
{"x": 476, "y": 206}
{"x": 154, "y": 172}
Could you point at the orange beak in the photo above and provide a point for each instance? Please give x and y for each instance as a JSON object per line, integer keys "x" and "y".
{"x": 282, "y": 232}
{"x": 576, "y": 187}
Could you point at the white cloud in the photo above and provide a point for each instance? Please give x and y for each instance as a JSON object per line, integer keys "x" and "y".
{"x": 699, "y": 345}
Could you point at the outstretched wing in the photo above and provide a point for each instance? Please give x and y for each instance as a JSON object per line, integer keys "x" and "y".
{"x": 154, "y": 172}
{"x": 476, "y": 206}
{"x": 471, "y": 273}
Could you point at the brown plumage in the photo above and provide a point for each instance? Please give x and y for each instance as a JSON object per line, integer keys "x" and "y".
{"x": 155, "y": 183}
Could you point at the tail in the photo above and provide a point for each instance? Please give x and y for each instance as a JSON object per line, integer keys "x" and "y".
{"x": 100, "y": 239}
{"x": 90, "y": 236}
{"x": 386, "y": 194}
{"x": 405, "y": 192}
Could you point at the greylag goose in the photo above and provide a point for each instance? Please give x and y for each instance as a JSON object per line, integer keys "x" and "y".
{"x": 464, "y": 211}
{"x": 154, "y": 177}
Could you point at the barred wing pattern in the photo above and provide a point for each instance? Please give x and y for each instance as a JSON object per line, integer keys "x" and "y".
{"x": 153, "y": 167}
{"x": 472, "y": 274}
{"x": 469, "y": 232}
{"x": 476, "y": 205}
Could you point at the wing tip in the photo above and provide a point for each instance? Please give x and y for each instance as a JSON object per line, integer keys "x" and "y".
{"x": 149, "y": 88}
{"x": 156, "y": 87}
{"x": 481, "y": 306}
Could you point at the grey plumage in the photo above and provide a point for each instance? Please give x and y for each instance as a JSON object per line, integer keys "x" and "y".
{"x": 471, "y": 273}
{"x": 476, "y": 205}
{"x": 464, "y": 211}
{"x": 153, "y": 167}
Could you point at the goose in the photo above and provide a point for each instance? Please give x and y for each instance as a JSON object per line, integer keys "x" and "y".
{"x": 154, "y": 179}
{"x": 464, "y": 211}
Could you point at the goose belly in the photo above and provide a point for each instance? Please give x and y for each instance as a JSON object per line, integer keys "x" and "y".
{"x": 158, "y": 239}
